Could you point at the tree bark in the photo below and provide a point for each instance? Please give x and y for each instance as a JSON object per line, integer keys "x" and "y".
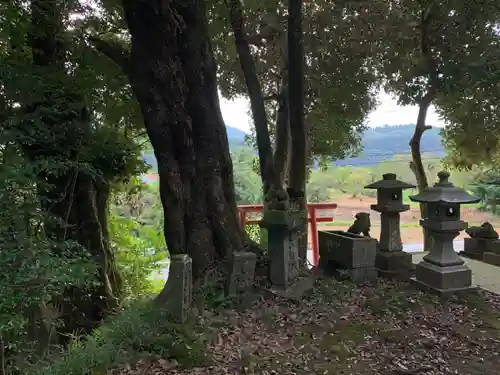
{"x": 173, "y": 74}
{"x": 298, "y": 158}
{"x": 417, "y": 165}
{"x": 267, "y": 169}
{"x": 424, "y": 104}
{"x": 425, "y": 101}
{"x": 297, "y": 177}
{"x": 282, "y": 138}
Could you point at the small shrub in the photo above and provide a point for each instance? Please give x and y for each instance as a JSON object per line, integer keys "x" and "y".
{"x": 253, "y": 232}
{"x": 140, "y": 252}
{"x": 139, "y": 331}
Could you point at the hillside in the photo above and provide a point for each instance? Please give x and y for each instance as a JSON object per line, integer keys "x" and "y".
{"x": 379, "y": 144}
{"x": 235, "y": 134}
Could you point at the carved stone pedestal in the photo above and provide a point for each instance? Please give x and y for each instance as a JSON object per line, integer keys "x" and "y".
{"x": 475, "y": 248}
{"x": 492, "y": 256}
{"x": 442, "y": 271}
{"x": 391, "y": 260}
{"x": 178, "y": 288}
{"x": 284, "y": 261}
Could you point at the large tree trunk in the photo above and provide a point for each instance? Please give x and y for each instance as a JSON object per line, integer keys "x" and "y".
{"x": 173, "y": 74}
{"x": 297, "y": 177}
{"x": 282, "y": 146}
{"x": 298, "y": 158}
{"x": 72, "y": 195}
{"x": 267, "y": 169}
{"x": 416, "y": 164}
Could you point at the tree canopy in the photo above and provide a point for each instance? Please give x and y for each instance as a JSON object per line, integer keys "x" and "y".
{"x": 339, "y": 80}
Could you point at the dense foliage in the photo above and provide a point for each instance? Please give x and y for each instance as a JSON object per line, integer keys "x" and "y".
{"x": 339, "y": 92}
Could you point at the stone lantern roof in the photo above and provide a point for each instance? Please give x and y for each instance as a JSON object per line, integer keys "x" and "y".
{"x": 389, "y": 181}
{"x": 444, "y": 191}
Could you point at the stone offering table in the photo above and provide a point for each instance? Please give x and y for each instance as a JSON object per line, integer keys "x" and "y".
{"x": 483, "y": 239}
{"x": 442, "y": 270}
{"x": 492, "y": 256}
{"x": 391, "y": 260}
{"x": 349, "y": 252}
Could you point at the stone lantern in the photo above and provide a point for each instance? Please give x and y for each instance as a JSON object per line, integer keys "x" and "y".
{"x": 442, "y": 270}
{"x": 391, "y": 261}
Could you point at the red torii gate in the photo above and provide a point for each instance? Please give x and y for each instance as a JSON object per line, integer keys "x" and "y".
{"x": 312, "y": 219}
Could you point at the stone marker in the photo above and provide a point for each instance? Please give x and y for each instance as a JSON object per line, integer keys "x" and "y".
{"x": 298, "y": 203}
{"x": 352, "y": 253}
{"x": 442, "y": 270}
{"x": 241, "y": 273}
{"x": 178, "y": 288}
{"x": 481, "y": 240}
{"x": 284, "y": 261}
{"x": 391, "y": 260}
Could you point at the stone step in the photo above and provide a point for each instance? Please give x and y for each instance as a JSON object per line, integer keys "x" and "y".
{"x": 492, "y": 258}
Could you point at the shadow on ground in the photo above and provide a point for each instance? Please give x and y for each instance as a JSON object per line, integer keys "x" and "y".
{"x": 342, "y": 329}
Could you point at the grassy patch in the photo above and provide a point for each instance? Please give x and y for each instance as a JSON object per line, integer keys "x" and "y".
{"x": 140, "y": 331}
{"x": 395, "y": 299}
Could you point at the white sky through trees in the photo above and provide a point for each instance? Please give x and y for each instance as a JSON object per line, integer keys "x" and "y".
{"x": 236, "y": 112}
{"x": 388, "y": 112}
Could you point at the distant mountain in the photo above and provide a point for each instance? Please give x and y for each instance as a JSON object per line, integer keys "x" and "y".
{"x": 379, "y": 144}
{"x": 383, "y": 142}
{"x": 234, "y": 134}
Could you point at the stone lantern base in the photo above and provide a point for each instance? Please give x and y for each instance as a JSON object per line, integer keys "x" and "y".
{"x": 394, "y": 264}
{"x": 444, "y": 281}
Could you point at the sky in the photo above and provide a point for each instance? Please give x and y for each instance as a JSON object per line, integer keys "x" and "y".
{"x": 235, "y": 113}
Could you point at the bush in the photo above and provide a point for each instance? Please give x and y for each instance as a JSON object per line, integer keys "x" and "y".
{"x": 139, "y": 252}
{"x": 253, "y": 232}
{"x": 140, "y": 331}
{"x": 316, "y": 193}
{"x": 31, "y": 262}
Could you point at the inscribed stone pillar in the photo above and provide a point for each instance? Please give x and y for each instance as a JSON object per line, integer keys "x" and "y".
{"x": 284, "y": 262}
{"x": 390, "y": 234}
{"x": 298, "y": 203}
{"x": 179, "y": 287}
{"x": 241, "y": 273}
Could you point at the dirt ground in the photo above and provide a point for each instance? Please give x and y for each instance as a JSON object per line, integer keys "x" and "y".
{"x": 339, "y": 329}
{"x": 411, "y": 232}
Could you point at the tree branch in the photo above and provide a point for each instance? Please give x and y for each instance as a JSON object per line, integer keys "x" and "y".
{"x": 113, "y": 51}
{"x": 430, "y": 63}
{"x": 272, "y": 97}
{"x": 257, "y": 105}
